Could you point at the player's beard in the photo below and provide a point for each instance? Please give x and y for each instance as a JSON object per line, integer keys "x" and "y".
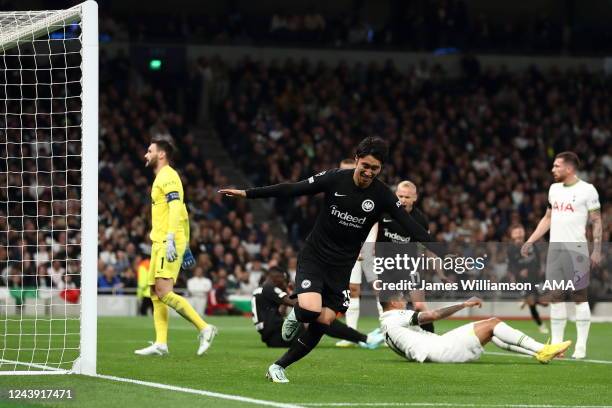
{"x": 152, "y": 163}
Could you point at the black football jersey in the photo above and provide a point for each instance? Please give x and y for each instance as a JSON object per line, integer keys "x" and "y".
{"x": 265, "y": 302}
{"x": 347, "y": 215}
{"x": 389, "y": 230}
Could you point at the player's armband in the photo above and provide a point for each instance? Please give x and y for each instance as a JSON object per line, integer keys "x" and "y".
{"x": 173, "y": 195}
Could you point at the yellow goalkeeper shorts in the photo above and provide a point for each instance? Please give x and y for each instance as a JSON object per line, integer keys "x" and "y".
{"x": 160, "y": 267}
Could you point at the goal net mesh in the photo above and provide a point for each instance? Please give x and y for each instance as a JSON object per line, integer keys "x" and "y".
{"x": 40, "y": 189}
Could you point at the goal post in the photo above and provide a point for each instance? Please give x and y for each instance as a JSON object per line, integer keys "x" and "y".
{"x": 48, "y": 190}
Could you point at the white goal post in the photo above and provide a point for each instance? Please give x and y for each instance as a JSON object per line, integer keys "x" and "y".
{"x": 48, "y": 190}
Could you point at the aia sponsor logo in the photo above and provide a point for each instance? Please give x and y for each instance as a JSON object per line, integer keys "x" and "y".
{"x": 563, "y": 207}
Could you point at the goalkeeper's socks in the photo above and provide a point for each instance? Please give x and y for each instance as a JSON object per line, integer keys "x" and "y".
{"x": 182, "y": 307}
{"x": 516, "y": 337}
{"x": 302, "y": 345}
{"x": 160, "y": 320}
{"x": 342, "y": 331}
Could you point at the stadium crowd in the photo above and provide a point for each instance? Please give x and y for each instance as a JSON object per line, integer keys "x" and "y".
{"x": 428, "y": 26}
{"x": 229, "y": 247}
{"x": 479, "y": 147}
{"x": 40, "y": 178}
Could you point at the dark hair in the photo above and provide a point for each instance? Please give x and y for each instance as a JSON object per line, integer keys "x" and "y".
{"x": 569, "y": 157}
{"x": 166, "y": 144}
{"x": 374, "y": 146}
{"x": 279, "y": 270}
{"x": 515, "y": 226}
{"x": 386, "y": 297}
{"x": 276, "y": 269}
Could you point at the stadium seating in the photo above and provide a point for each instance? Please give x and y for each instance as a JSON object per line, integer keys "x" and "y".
{"x": 479, "y": 147}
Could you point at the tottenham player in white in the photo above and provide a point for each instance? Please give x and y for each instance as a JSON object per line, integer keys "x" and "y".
{"x": 572, "y": 204}
{"x": 404, "y": 335}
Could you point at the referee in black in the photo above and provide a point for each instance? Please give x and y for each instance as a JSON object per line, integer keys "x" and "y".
{"x": 354, "y": 201}
{"x": 526, "y": 269}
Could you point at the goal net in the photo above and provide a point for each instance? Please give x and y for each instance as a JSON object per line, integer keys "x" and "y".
{"x": 48, "y": 190}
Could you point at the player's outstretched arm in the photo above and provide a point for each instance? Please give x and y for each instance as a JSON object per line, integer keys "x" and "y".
{"x": 444, "y": 312}
{"x": 541, "y": 229}
{"x": 310, "y": 186}
{"x": 232, "y": 192}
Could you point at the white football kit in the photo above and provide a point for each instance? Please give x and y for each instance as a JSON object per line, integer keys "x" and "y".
{"x": 568, "y": 252}
{"x": 570, "y": 206}
{"x": 363, "y": 267}
{"x": 404, "y": 336}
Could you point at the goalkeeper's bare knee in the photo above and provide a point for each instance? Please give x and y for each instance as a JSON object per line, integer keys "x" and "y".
{"x": 163, "y": 287}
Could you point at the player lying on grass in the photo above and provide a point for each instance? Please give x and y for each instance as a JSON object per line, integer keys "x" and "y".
{"x": 272, "y": 297}
{"x": 404, "y": 335}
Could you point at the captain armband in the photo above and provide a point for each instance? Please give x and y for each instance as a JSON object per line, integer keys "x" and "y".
{"x": 173, "y": 195}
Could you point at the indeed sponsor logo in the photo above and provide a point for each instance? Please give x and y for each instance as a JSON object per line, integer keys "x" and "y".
{"x": 394, "y": 236}
{"x": 345, "y": 216}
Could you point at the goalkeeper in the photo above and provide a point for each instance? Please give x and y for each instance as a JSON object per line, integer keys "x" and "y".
{"x": 169, "y": 237}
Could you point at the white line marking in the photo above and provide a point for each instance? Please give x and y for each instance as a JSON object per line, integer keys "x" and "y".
{"x": 200, "y": 392}
{"x": 46, "y": 369}
{"x": 585, "y": 360}
{"x": 442, "y": 404}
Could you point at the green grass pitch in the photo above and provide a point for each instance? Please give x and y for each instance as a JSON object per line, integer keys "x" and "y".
{"x": 237, "y": 362}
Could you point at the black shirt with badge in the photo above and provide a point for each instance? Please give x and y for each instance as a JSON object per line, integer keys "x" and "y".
{"x": 347, "y": 215}
{"x": 265, "y": 307}
{"x": 389, "y": 230}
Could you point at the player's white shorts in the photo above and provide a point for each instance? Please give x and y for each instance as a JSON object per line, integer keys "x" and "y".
{"x": 568, "y": 262}
{"x": 356, "y": 273}
{"x": 459, "y": 345}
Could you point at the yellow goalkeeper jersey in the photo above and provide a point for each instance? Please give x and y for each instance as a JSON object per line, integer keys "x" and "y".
{"x": 168, "y": 211}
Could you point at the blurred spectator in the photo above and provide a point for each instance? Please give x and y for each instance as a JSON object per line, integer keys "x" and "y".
{"x": 199, "y": 287}
{"x": 56, "y": 272}
{"x": 128, "y": 279}
{"x": 109, "y": 282}
{"x": 218, "y": 302}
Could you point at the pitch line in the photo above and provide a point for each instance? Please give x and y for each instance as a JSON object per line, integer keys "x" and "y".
{"x": 200, "y": 392}
{"x": 584, "y": 360}
{"x": 443, "y": 404}
{"x": 43, "y": 368}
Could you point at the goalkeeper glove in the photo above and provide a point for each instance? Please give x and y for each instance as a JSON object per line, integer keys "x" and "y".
{"x": 171, "y": 254}
{"x": 188, "y": 260}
